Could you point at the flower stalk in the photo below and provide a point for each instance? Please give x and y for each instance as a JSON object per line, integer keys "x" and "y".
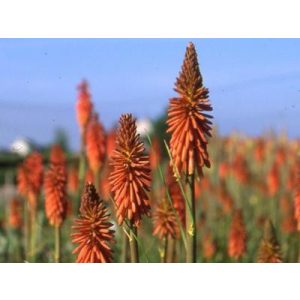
{"x": 32, "y": 235}
{"x": 171, "y": 250}
{"x": 124, "y": 248}
{"x": 189, "y": 126}
{"x": 191, "y": 236}
{"x": 57, "y": 233}
{"x": 134, "y": 250}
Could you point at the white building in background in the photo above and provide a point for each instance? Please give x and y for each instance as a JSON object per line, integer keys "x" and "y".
{"x": 144, "y": 126}
{"x": 21, "y": 146}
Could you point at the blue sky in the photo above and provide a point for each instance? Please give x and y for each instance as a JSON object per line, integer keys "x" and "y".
{"x": 254, "y": 83}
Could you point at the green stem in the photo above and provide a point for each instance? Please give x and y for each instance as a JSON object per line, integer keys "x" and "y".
{"x": 163, "y": 180}
{"x": 164, "y": 257}
{"x": 295, "y": 246}
{"x": 126, "y": 228}
{"x": 57, "y": 234}
{"x": 178, "y": 178}
{"x": 97, "y": 179}
{"x": 134, "y": 252}
{"x": 171, "y": 250}
{"x": 124, "y": 248}
{"x": 298, "y": 246}
{"x": 190, "y": 221}
{"x": 82, "y": 161}
{"x": 82, "y": 166}
{"x": 275, "y": 211}
{"x": 26, "y": 231}
{"x": 32, "y": 234}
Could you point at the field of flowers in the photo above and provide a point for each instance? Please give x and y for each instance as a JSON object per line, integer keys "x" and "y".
{"x": 182, "y": 193}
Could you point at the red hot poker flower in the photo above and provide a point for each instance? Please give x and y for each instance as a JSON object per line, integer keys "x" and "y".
{"x": 209, "y": 246}
{"x": 30, "y": 178}
{"x": 188, "y": 123}
{"x": 165, "y": 222}
{"x": 237, "y": 236}
{"x": 57, "y": 155}
{"x": 297, "y": 196}
{"x": 55, "y": 185}
{"x": 155, "y": 154}
{"x": 95, "y": 144}
{"x": 73, "y": 180}
{"x": 92, "y": 230}
{"x": 130, "y": 178}
{"x": 273, "y": 180}
{"x": 84, "y": 105}
{"x": 15, "y": 215}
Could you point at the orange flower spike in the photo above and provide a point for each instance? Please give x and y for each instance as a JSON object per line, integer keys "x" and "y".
{"x": 269, "y": 249}
{"x": 111, "y": 143}
{"x": 22, "y": 180}
{"x": 240, "y": 169}
{"x": 69, "y": 207}
{"x": 237, "y": 236}
{"x": 203, "y": 186}
{"x": 288, "y": 223}
{"x": 280, "y": 156}
{"x": 30, "y": 178}
{"x": 209, "y": 246}
{"x": 165, "y": 222}
{"x": 297, "y": 196}
{"x": 273, "y": 180}
{"x": 130, "y": 177}
{"x": 95, "y": 144}
{"x": 291, "y": 177}
{"x": 55, "y": 186}
{"x": 224, "y": 170}
{"x": 104, "y": 186}
{"x": 187, "y": 122}
{"x": 57, "y": 155}
{"x": 84, "y": 105}
{"x": 260, "y": 150}
{"x": 155, "y": 154}
{"x": 73, "y": 180}
{"x": 92, "y": 230}
{"x": 89, "y": 176}
{"x": 225, "y": 198}
{"x": 285, "y": 204}
{"x": 15, "y": 215}
{"x": 178, "y": 201}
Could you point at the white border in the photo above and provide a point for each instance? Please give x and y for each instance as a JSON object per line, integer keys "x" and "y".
{"x": 155, "y": 18}
{"x": 149, "y": 281}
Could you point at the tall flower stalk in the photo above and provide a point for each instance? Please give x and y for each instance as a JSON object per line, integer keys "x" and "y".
{"x": 296, "y": 187}
{"x": 130, "y": 180}
{"x": 166, "y": 228}
{"x": 237, "y": 241}
{"x": 95, "y": 147}
{"x": 190, "y": 126}
{"x": 30, "y": 180}
{"x": 297, "y": 193}
{"x": 84, "y": 108}
{"x": 15, "y": 222}
{"x": 56, "y": 203}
